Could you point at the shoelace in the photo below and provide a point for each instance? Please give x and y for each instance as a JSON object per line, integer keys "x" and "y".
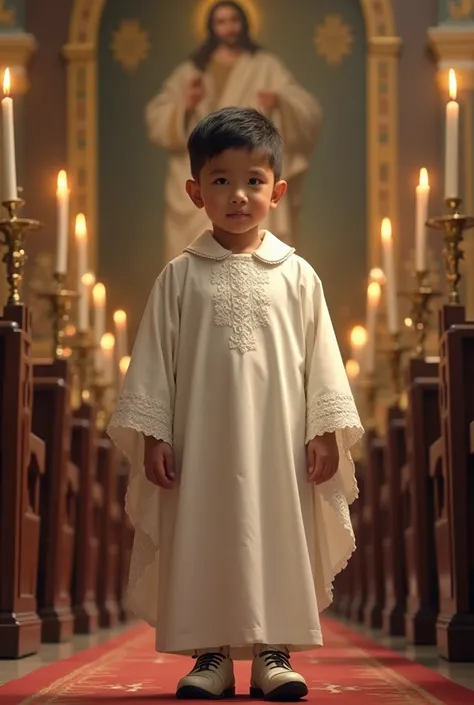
{"x": 207, "y": 661}
{"x": 277, "y": 659}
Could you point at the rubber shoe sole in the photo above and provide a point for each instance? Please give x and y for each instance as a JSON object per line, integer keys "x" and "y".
{"x": 285, "y": 693}
{"x": 191, "y": 692}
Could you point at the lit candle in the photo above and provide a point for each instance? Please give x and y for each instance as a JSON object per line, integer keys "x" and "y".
{"x": 107, "y": 345}
{"x": 99, "y": 299}
{"x": 10, "y": 189}
{"x": 120, "y": 321}
{"x": 452, "y": 140}
{"x": 62, "y": 199}
{"x": 85, "y": 287}
{"x": 124, "y": 364}
{"x": 81, "y": 245}
{"x": 422, "y": 199}
{"x": 358, "y": 343}
{"x": 373, "y": 299}
{"x": 377, "y": 275}
{"x": 389, "y": 267}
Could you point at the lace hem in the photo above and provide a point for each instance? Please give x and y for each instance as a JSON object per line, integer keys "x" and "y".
{"x": 334, "y": 411}
{"x": 143, "y": 414}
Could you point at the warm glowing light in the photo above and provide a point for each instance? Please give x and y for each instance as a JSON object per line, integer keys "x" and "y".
{"x": 358, "y": 336}
{"x": 70, "y": 330}
{"x": 7, "y": 82}
{"x": 352, "y": 369}
{"x": 120, "y": 318}
{"x": 424, "y": 181}
{"x": 377, "y": 275}
{"x": 408, "y": 322}
{"x": 98, "y": 294}
{"x": 107, "y": 342}
{"x": 124, "y": 364}
{"x": 88, "y": 279}
{"x": 386, "y": 230}
{"x": 81, "y": 226}
{"x": 62, "y": 184}
{"x": 373, "y": 293}
{"x": 453, "y": 85}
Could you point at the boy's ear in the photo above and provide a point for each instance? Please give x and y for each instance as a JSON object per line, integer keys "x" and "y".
{"x": 194, "y": 193}
{"x": 279, "y": 191}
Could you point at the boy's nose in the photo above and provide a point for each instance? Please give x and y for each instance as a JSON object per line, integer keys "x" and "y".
{"x": 239, "y": 197}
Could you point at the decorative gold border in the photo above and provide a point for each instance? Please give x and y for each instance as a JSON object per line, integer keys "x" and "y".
{"x": 382, "y": 108}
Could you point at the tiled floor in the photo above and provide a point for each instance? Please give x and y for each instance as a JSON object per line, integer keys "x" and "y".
{"x": 460, "y": 673}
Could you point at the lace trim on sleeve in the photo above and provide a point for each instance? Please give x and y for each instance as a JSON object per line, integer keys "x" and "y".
{"x": 145, "y": 415}
{"x": 334, "y": 411}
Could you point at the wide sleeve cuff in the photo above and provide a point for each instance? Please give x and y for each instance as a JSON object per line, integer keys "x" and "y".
{"x": 334, "y": 411}
{"x": 143, "y": 414}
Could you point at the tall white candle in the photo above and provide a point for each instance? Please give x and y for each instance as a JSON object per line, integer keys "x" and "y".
{"x": 391, "y": 285}
{"x": 373, "y": 300}
{"x": 85, "y": 287}
{"x": 62, "y": 199}
{"x": 99, "y": 299}
{"x": 107, "y": 345}
{"x": 452, "y": 140}
{"x": 120, "y": 321}
{"x": 422, "y": 201}
{"x": 10, "y": 189}
{"x": 81, "y": 245}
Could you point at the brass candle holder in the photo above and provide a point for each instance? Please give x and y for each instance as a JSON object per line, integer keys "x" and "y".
{"x": 14, "y": 230}
{"x": 83, "y": 348}
{"x": 421, "y": 312}
{"x": 454, "y": 224}
{"x": 100, "y": 390}
{"x": 61, "y": 300}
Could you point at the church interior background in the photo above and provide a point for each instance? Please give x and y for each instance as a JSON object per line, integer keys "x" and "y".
{"x": 82, "y": 74}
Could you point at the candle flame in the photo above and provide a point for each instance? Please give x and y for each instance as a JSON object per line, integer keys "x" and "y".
{"x": 424, "y": 180}
{"x": 81, "y": 226}
{"x": 7, "y": 82}
{"x": 120, "y": 318}
{"x": 386, "y": 230}
{"x": 107, "y": 342}
{"x": 88, "y": 279}
{"x": 62, "y": 183}
{"x": 124, "y": 364}
{"x": 352, "y": 369}
{"x": 377, "y": 275}
{"x": 374, "y": 293}
{"x": 408, "y": 322}
{"x": 358, "y": 336}
{"x": 98, "y": 294}
{"x": 453, "y": 86}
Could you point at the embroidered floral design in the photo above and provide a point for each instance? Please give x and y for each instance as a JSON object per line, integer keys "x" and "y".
{"x": 241, "y": 301}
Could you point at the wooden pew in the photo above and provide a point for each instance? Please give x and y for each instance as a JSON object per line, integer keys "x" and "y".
{"x": 454, "y": 496}
{"x": 84, "y": 584}
{"x": 107, "y": 597}
{"x": 393, "y": 617}
{"x": 422, "y": 429}
{"x": 373, "y": 532}
{"x": 59, "y": 497}
{"x": 126, "y": 534}
{"x": 358, "y": 560}
{"x": 21, "y": 466}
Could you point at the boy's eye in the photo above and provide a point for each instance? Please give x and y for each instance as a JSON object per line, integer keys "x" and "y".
{"x": 255, "y": 181}
{"x": 221, "y": 181}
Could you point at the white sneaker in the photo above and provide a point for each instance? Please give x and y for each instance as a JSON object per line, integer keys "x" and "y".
{"x": 274, "y": 679}
{"x": 211, "y": 678}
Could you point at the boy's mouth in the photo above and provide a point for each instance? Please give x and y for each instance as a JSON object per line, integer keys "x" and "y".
{"x": 238, "y": 215}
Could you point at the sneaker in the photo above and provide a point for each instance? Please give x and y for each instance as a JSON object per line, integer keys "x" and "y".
{"x": 211, "y": 678}
{"x": 274, "y": 679}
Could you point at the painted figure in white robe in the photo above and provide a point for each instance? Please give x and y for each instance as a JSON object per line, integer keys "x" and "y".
{"x": 229, "y": 69}
{"x": 237, "y": 417}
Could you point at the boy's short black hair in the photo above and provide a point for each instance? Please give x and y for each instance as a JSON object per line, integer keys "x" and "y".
{"x": 235, "y": 128}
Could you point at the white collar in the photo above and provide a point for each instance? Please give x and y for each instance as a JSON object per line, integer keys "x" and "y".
{"x": 272, "y": 250}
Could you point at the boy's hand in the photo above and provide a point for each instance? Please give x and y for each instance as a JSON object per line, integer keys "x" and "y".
{"x": 194, "y": 93}
{"x": 159, "y": 463}
{"x": 322, "y": 458}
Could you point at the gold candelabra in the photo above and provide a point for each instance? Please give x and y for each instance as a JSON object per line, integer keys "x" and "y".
{"x": 101, "y": 390}
{"x": 421, "y": 313}
{"x": 14, "y": 230}
{"x": 61, "y": 300}
{"x": 395, "y": 355}
{"x": 454, "y": 224}
{"x": 83, "y": 348}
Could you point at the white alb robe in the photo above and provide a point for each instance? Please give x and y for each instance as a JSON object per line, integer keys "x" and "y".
{"x": 237, "y": 366}
{"x": 298, "y": 117}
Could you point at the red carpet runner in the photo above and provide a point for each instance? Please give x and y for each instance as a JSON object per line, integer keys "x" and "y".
{"x": 127, "y": 670}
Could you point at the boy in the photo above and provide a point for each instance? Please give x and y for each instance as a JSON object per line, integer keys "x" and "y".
{"x": 237, "y": 417}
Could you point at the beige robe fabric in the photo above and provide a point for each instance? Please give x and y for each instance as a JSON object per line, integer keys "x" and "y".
{"x": 298, "y": 117}
{"x": 237, "y": 366}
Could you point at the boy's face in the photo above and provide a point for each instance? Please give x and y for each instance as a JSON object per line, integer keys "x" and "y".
{"x": 237, "y": 189}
